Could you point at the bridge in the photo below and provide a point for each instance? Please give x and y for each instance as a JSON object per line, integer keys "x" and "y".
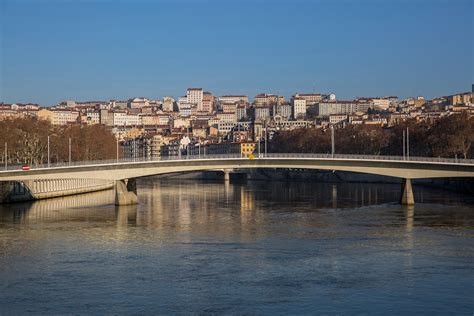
{"x": 125, "y": 172}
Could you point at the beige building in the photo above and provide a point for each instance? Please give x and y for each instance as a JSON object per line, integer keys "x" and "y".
{"x": 459, "y": 99}
{"x": 138, "y": 103}
{"x": 311, "y": 98}
{"x": 233, "y": 98}
{"x": 334, "y": 119}
{"x": 268, "y": 99}
{"x": 229, "y": 107}
{"x": 59, "y": 117}
{"x": 227, "y": 117}
{"x": 168, "y": 104}
{"x": 208, "y": 103}
{"x": 195, "y": 96}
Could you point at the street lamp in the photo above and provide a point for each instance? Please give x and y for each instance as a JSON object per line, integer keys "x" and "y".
{"x": 6, "y": 156}
{"x": 69, "y": 150}
{"x": 332, "y": 141}
{"x": 49, "y": 160}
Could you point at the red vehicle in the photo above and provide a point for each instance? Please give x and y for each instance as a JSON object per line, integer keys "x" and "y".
{"x": 25, "y": 167}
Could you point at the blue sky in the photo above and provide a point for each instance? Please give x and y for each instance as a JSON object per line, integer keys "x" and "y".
{"x": 54, "y": 50}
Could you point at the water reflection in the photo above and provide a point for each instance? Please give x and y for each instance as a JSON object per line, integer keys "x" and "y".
{"x": 186, "y": 202}
{"x": 260, "y": 247}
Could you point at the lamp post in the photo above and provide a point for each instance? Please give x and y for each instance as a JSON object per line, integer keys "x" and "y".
{"x": 117, "y": 149}
{"x": 49, "y": 160}
{"x": 332, "y": 141}
{"x": 266, "y": 138}
{"x": 404, "y": 145}
{"x": 69, "y": 150}
{"x": 408, "y": 144}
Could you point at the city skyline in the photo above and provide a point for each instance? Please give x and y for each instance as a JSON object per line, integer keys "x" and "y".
{"x": 54, "y": 51}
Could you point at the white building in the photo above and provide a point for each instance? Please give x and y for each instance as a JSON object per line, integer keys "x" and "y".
{"x": 284, "y": 110}
{"x": 325, "y": 109}
{"x": 299, "y": 107}
{"x": 93, "y": 117}
{"x": 125, "y": 119}
{"x": 185, "y": 109}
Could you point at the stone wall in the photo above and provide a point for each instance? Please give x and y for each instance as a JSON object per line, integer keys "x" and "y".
{"x": 18, "y": 191}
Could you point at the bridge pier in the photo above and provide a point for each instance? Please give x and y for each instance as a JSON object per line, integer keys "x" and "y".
{"x": 407, "y": 193}
{"x": 227, "y": 175}
{"x": 126, "y": 192}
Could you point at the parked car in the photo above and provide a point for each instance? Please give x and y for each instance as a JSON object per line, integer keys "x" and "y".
{"x": 25, "y": 167}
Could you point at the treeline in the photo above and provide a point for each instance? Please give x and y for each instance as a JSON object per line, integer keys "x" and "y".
{"x": 449, "y": 137}
{"x": 27, "y": 142}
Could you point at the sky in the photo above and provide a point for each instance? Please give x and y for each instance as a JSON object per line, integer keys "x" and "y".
{"x": 54, "y": 50}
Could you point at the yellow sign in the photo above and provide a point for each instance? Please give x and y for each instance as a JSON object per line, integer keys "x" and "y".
{"x": 251, "y": 157}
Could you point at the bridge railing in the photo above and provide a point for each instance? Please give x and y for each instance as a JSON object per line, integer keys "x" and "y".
{"x": 239, "y": 156}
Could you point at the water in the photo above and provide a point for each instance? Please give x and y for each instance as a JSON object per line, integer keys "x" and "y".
{"x": 256, "y": 248}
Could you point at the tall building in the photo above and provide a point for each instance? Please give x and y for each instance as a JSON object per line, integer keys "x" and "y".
{"x": 208, "y": 103}
{"x": 299, "y": 107}
{"x": 195, "y": 96}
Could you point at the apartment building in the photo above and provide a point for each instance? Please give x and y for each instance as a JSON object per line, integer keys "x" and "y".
{"x": 195, "y": 96}
{"x": 311, "y": 98}
{"x": 299, "y": 107}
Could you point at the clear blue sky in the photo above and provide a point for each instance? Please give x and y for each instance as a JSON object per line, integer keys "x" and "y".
{"x": 55, "y": 50}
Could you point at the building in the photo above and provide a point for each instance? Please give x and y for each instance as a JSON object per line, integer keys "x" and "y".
{"x": 241, "y": 112}
{"x": 92, "y": 117}
{"x": 195, "y": 96}
{"x": 227, "y": 117}
{"x": 208, "y": 103}
{"x": 337, "y": 118}
{"x": 381, "y": 103}
{"x": 59, "y": 116}
{"x": 185, "y": 109}
{"x": 285, "y": 110}
{"x": 168, "y": 104}
{"x": 261, "y": 112}
{"x": 459, "y": 99}
{"x": 122, "y": 118}
{"x": 233, "y": 99}
{"x": 325, "y": 109}
{"x": 137, "y": 103}
{"x": 299, "y": 107}
{"x": 311, "y": 98}
{"x": 268, "y": 99}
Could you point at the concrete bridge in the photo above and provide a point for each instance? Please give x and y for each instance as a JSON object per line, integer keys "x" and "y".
{"x": 124, "y": 173}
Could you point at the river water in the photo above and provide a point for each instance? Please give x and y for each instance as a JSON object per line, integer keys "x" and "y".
{"x": 253, "y": 248}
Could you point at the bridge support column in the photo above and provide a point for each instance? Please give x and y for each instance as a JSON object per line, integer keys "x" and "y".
{"x": 407, "y": 193}
{"x": 126, "y": 192}
{"x": 227, "y": 175}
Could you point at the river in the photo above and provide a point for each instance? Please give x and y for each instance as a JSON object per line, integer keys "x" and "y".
{"x": 249, "y": 248}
